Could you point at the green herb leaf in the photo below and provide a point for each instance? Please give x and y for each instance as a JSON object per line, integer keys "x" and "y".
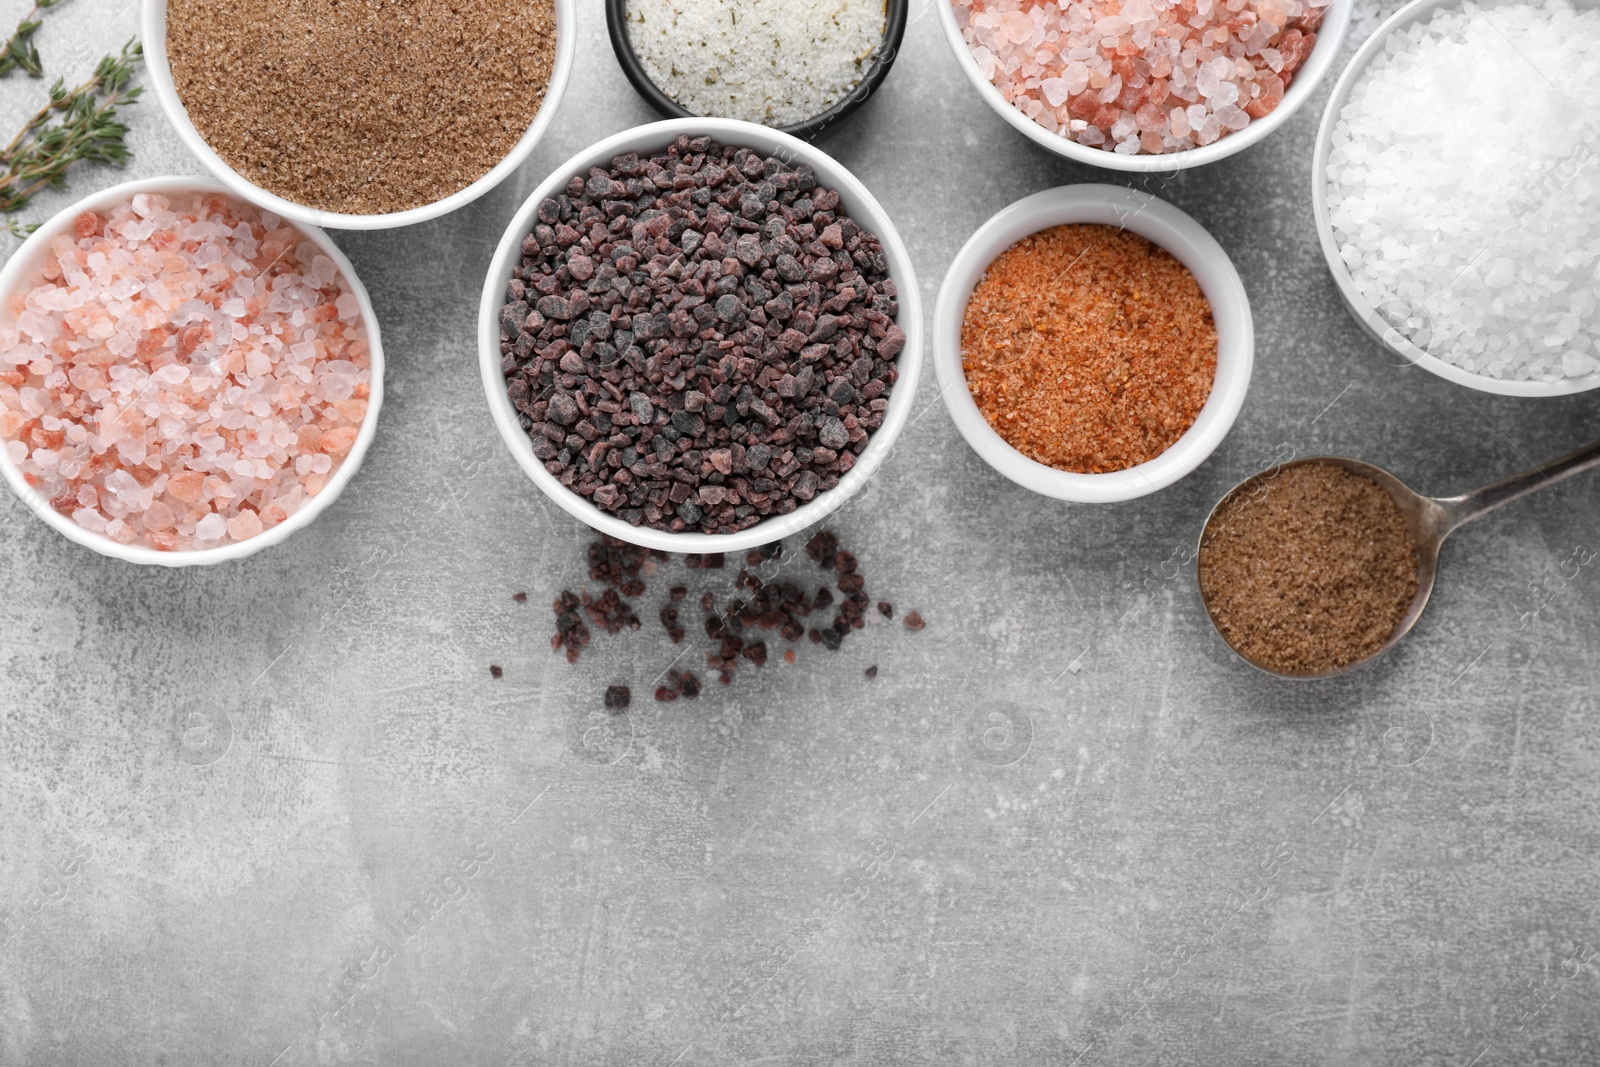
{"x": 78, "y": 125}
{"x": 19, "y": 52}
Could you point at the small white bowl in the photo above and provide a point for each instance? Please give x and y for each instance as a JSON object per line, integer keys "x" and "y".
{"x": 27, "y": 258}
{"x": 1369, "y": 318}
{"x": 856, "y": 202}
{"x": 153, "y": 30}
{"x": 1156, "y": 221}
{"x": 1330, "y": 35}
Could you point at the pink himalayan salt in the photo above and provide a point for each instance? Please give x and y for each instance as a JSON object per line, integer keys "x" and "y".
{"x": 182, "y": 373}
{"x": 1141, "y": 76}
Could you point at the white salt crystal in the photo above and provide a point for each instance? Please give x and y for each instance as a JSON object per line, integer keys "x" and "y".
{"x": 122, "y": 484}
{"x": 1576, "y": 365}
{"x": 40, "y": 328}
{"x": 211, "y": 528}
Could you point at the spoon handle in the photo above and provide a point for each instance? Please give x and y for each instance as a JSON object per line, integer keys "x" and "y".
{"x": 1468, "y": 506}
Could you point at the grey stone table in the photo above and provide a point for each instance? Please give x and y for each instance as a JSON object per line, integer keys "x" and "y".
{"x": 1062, "y": 825}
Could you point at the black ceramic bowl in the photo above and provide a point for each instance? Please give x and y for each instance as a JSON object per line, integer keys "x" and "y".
{"x": 810, "y": 130}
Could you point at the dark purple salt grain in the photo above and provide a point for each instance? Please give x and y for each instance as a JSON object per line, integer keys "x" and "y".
{"x": 765, "y": 605}
{"x": 701, "y": 339}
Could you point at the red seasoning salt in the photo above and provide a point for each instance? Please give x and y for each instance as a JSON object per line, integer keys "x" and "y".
{"x": 1088, "y": 348}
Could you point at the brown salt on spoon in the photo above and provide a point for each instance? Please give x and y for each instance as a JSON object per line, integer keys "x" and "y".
{"x": 1430, "y": 520}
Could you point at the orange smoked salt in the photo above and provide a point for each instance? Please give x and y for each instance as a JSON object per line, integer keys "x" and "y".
{"x": 1088, "y": 348}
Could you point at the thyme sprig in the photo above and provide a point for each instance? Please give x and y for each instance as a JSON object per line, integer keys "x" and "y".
{"x": 20, "y": 53}
{"x": 78, "y": 125}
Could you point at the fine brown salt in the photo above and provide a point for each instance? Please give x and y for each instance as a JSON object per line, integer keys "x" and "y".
{"x": 363, "y": 108}
{"x": 1308, "y": 570}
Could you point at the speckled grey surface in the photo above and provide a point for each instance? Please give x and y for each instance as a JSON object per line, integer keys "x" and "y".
{"x": 1160, "y": 857}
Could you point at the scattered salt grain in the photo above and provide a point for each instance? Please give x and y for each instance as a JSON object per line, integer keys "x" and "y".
{"x": 1479, "y": 241}
{"x": 777, "y": 62}
{"x": 153, "y": 390}
{"x": 1152, "y": 76}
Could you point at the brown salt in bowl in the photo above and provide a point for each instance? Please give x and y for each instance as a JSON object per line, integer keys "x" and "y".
{"x": 153, "y": 31}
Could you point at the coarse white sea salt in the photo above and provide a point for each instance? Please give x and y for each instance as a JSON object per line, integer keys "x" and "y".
{"x": 1464, "y": 188}
{"x": 777, "y": 62}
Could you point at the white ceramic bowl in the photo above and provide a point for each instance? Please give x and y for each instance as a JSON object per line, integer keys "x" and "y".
{"x": 1374, "y": 323}
{"x": 856, "y": 202}
{"x": 1329, "y": 37}
{"x": 1156, "y": 221}
{"x": 27, "y": 259}
{"x": 153, "y": 29}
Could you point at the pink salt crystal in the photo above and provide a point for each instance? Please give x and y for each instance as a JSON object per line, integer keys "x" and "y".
{"x": 1150, "y": 118}
{"x": 186, "y": 486}
{"x": 1055, "y": 91}
{"x": 1016, "y": 26}
{"x": 159, "y": 516}
{"x": 244, "y": 525}
{"x": 136, "y": 358}
{"x": 1209, "y": 55}
{"x": 1266, "y": 93}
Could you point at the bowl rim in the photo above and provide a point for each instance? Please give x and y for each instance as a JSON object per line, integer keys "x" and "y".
{"x": 24, "y": 260}
{"x": 153, "y": 27}
{"x": 896, "y": 13}
{"x": 1371, "y": 322}
{"x": 1330, "y": 38}
{"x": 861, "y": 206}
{"x": 1157, "y": 221}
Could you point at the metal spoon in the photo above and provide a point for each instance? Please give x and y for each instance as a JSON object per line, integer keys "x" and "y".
{"x": 1432, "y": 519}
